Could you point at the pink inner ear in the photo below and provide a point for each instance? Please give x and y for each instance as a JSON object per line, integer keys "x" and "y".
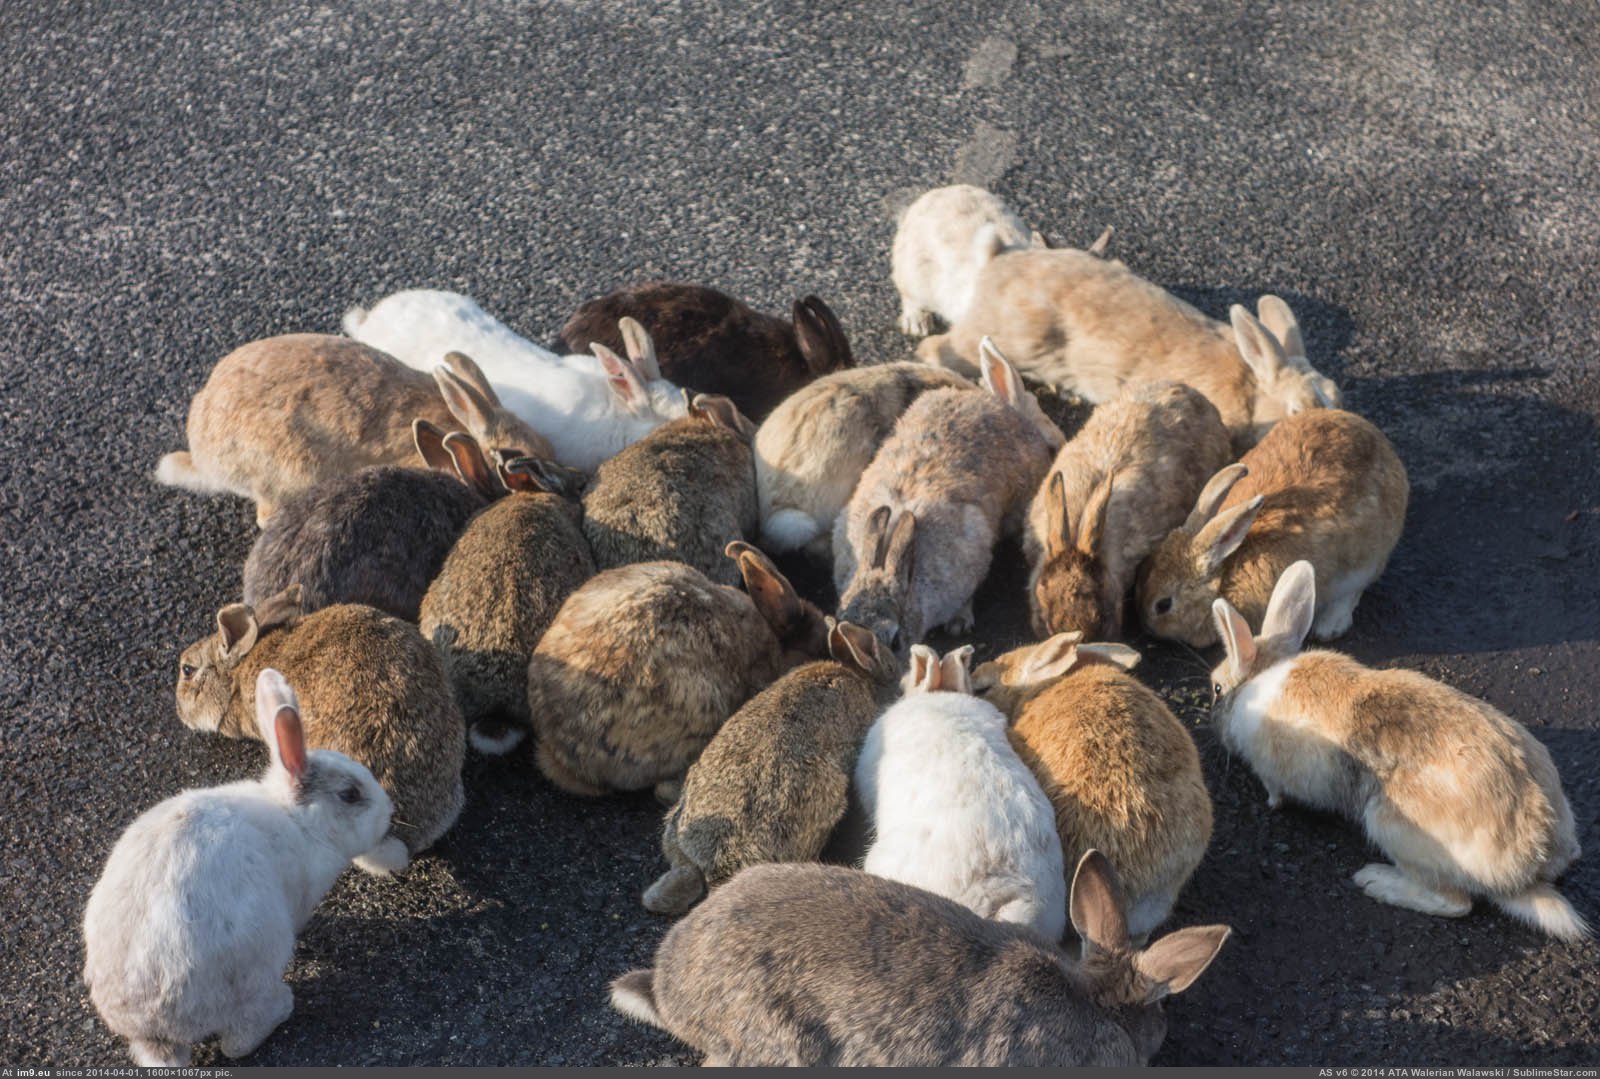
{"x": 291, "y": 741}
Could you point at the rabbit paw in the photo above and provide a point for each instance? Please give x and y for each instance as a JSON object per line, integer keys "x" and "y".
{"x": 962, "y": 622}
{"x": 1274, "y": 799}
{"x": 916, "y": 321}
{"x": 388, "y": 857}
{"x": 1335, "y": 619}
{"x": 1390, "y": 884}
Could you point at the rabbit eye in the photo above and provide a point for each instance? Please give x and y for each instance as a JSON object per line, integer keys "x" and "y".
{"x": 1216, "y": 690}
{"x": 1163, "y": 605}
{"x": 187, "y": 670}
{"x": 894, "y": 642}
{"x": 350, "y": 795}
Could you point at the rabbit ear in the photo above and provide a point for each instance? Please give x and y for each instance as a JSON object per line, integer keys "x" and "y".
{"x": 925, "y": 674}
{"x": 1213, "y": 495}
{"x": 1058, "y": 534}
{"x": 999, "y": 377}
{"x": 955, "y": 670}
{"x": 640, "y": 348}
{"x": 900, "y": 550}
{"x": 854, "y": 646}
{"x": 1119, "y": 654}
{"x": 1293, "y": 603}
{"x": 237, "y": 627}
{"x": 1091, "y": 523}
{"x": 623, "y": 378}
{"x": 278, "y": 723}
{"x": 1281, "y": 323}
{"x": 1052, "y": 659}
{"x": 822, "y": 342}
{"x": 877, "y": 536}
{"x": 465, "y": 403}
{"x": 1260, "y": 350}
{"x": 719, "y": 409}
{"x": 1037, "y": 240}
{"x": 769, "y": 589}
{"x": 1096, "y": 905}
{"x": 280, "y": 607}
{"x": 1098, "y": 248}
{"x": 470, "y": 464}
{"x": 518, "y": 474}
{"x": 429, "y": 440}
{"x": 462, "y": 366}
{"x": 1236, "y": 637}
{"x": 1172, "y": 963}
{"x": 1223, "y": 534}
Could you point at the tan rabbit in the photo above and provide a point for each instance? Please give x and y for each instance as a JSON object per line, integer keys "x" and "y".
{"x": 814, "y": 447}
{"x": 775, "y": 781}
{"x": 370, "y": 687}
{"x": 641, "y": 667}
{"x": 1089, "y": 324}
{"x": 915, "y": 540}
{"x": 1462, "y": 799}
{"x": 1125, "y": 480}
{"x": 943, "y": 241}
{"x": 279, "y": 415}
{"x": 1325, "y": 486}
{"x": 1123, "y": 774}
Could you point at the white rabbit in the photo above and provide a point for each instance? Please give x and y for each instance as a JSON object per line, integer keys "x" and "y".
{"x": 955, "y": 810}
{"x": 589, "y": 407}
{"x": 191, "y": 925}
{"x": 943, "y": 240}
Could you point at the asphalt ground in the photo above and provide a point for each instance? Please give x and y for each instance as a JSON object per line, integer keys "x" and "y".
{"x": 1419, "y": 180}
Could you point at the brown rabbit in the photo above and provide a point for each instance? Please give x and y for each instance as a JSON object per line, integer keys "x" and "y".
{"x": 1125, "y": 480}
{"x": 499, "y": 589}
{"x": 682, "y": 492}
{"x": 278, "y": 416}
{"x": 640, "y": 668}
{"x": 1324, "y": 486}
{"x": 1122, "y": 772}
{"x": 775, "y": 780}
{"x": 709, "y": 342}
{"x": 370, "y": 687}
{"x": 1089, "y": 324}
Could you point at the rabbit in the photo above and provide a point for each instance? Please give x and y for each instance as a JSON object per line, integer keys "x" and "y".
{"x": 1086, "y": 323}
{"x": 814, "y": 447}
{"x": 588, "y": 407}
{"x": 915, "y": 540}
{"x": 710, "y": 342}
{"x": 1461, "y": 798}
{"x": 1126, "y": 479}
{"x": 954, "y": 810}
{"x": 644, "y": 663}
{"x": 377, "y": 535}
{"x": 683, "y": 492}
{"x": 944, "y": 239}
{"x": 193, "y": 920}
{"x": 774, "y": 782}
{"x": 1324, "y": 485}
{"x": 374, "y": 690}
{"x": 1120, "y": 769}
{"x": 280, "y": 415}
{"x": 823, "y": 965}
{"x": 499, "y": 589}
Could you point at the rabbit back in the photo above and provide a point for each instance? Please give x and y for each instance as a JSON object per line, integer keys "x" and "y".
{"x": 943, "y": 241}
{"x": 419, "y": 327}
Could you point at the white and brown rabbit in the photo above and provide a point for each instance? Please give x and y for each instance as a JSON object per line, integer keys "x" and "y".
{"x": 813, "y": 448}
{"x": 373, "y": 690}
{"x": 193, "y": 921}
{"x": 1461, "y": 798}
{"x": 1124, "y": 481}
{"x": 1121, "y": 771}
{"x": 1089, "y": 324}
{"x": 915, "y": 540}
{"x": 1325, "y": 486}
{"x": 822, "y": 965}
{"x": 943, "y": 241}
{"x": 280, "y": 415}
{"x": 775, "y": 780}
{"x": 644, "y": 663}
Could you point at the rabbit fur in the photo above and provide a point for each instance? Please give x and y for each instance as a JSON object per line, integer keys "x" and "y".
{"x": 193, "y": 920}
{"x": 1461, "y": 798}
{"x": 823, "y": 965}
{"x": 710, "y": 342}
{"x": 1324, "y": 485}
{"x": 280, "y": 415}
{"x": 915, "y": 540}
{"x": 944, "y": 240}
{"x": 1120, "y": 769}
{"x": 373, "y": 690}
{"x": 1124, "y": 481}
{"x": 953, "y": 808}
{"x": 775, "y": 780}
{"x": 812, "y": 449}
{"x": 1089, "y": 324}
{"x": 683, "y": 492}
{"x": 588, "y": 406}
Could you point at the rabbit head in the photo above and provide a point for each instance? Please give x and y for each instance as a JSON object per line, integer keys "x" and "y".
{"x": 855, "y": 647}
{"x": 1286, "y": 384}
{"x": 928, "y": 673}
{"x": 1009, "y": 681}
{"x": 1182, "y": 576}
{"x": 801, "y": 628}
{"x": 206, "y": 670}
{"x": 336, "y": 798}
{"x": 635, "y": 380}
{"x": 470, "y": 398}
{"x": 879, "y": 596}
{"x": 1002, "y": 380}
{"x": 1074, "y": 589}
{"x": 1283, "y": 632}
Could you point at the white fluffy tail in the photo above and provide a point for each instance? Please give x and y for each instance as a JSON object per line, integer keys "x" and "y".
{"x": 353, "y": 318}
{"x": 157, "y": 1054}
{"x": 789, "y": 530}
{"x": 495, "y": 743}
{"x": 1547, "y": 910}
{"x": 177, "y": 469}
{"x": 633, "y": 995}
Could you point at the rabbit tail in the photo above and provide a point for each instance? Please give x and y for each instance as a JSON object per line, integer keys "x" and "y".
{"x": 178, "y": 470}
{"x": 149, "y": 1053}
{"x": 353, "y": 318}
{"x": 634, "y": 995}
{"x": 789, "y": 530}
{"x": 1547, "y": 910}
